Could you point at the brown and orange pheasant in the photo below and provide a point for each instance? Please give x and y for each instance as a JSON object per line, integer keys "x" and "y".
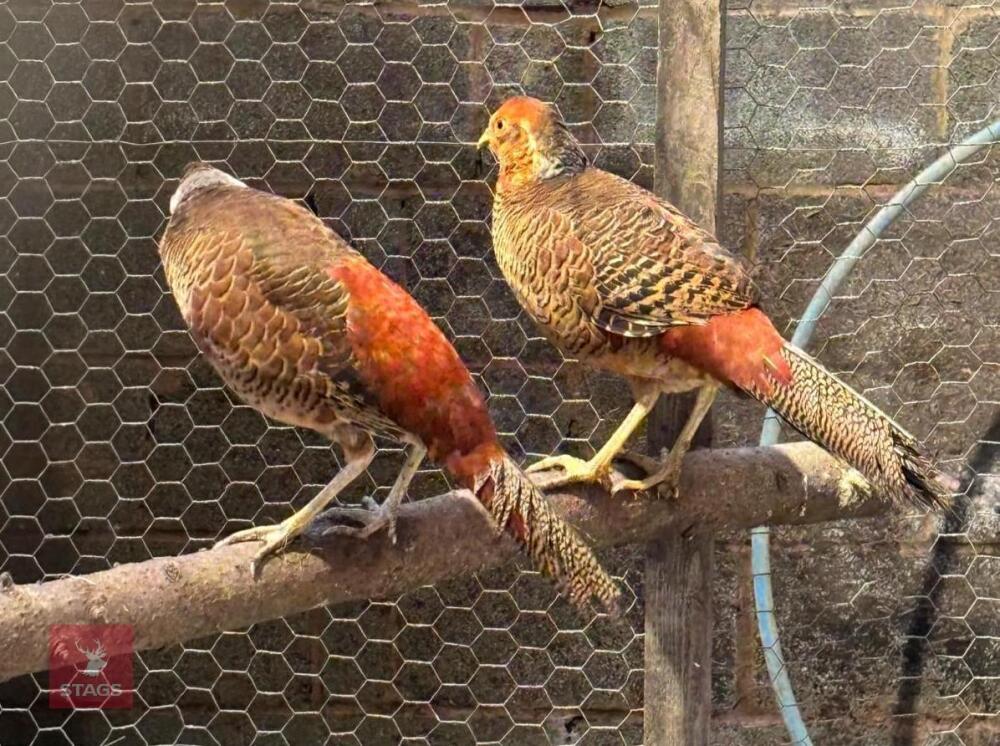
{"x": 303, "y": 328}
{"x": 620, "y": 279}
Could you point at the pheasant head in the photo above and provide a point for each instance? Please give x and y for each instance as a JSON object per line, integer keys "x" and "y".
{"x": 531, "y": 143}
{"x": 198, "y": 175}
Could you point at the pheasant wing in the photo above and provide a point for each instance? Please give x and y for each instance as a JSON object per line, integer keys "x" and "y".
{"x": 653, "y": 268}
{"x": 265, "y": 301}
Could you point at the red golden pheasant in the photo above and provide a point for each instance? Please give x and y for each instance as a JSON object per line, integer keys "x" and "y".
{"x": 620, "y": 279}
{"x": 304, "y": 329}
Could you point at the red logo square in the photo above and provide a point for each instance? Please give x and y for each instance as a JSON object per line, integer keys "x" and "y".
{"x": 90, "y": 665}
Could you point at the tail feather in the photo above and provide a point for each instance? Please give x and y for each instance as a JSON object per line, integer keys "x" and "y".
{"x": 832, "y": 414}
{"x": 519, "y": 508}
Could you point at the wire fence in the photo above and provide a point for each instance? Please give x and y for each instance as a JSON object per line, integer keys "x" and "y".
{"x": 119, "y": 444}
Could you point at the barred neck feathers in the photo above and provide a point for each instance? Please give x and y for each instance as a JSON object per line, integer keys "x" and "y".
{"x": 557, "y": 153}
{"x": 545, "y": 155}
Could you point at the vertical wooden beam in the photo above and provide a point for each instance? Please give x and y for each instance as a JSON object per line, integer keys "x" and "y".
{"x": 678, "y": 573}
{"x": 689, "y": 106}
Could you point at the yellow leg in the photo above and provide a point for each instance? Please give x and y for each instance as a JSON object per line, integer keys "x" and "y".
{"x": 669, "y": 472}
{"x": 598, "y": 468}
{"x": 375, "y": 517}
{"x": 278, "y": 536}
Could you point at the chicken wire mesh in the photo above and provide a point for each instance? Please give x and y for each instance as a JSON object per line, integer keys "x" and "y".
{"x": 119, "y": 444}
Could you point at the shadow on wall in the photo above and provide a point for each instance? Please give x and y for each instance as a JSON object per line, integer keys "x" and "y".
{"x": 917, "y": 647}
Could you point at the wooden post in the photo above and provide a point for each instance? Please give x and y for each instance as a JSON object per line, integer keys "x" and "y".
{"x": 678, "y": 574}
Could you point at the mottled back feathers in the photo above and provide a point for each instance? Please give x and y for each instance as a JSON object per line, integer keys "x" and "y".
{"x": 646, "y": 267}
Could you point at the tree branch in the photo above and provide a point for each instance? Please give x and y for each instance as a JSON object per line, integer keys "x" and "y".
{"x": 169, "y": 600}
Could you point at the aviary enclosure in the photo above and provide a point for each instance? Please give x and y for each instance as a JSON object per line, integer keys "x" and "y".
{"x": 119, "y": 444}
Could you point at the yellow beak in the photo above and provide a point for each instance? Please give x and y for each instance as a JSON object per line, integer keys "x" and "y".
{"x": 484, "y": 140}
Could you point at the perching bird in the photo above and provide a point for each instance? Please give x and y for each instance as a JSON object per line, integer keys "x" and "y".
{"x": 620, "y": 279}
{"x": 304, "y": 329}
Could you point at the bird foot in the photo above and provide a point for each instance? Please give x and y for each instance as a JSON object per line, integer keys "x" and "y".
{"x": 665, "y": 476}
{"x": 649, "y": 464}
{"x": 572, "y": 469}
{"x": 275, "y": 538}
{"x": 853, "y": 487}
{"x": 372, "y": 517}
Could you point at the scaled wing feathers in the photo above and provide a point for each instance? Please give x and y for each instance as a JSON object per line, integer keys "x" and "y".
{"x": 308, "y": 292}
{"x": 252, "y": 276}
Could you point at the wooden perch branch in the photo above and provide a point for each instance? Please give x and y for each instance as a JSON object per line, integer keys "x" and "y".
{"x": 169, "y": 600}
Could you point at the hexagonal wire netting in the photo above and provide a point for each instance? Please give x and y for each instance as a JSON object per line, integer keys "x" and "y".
{"x": 118, "y": 443}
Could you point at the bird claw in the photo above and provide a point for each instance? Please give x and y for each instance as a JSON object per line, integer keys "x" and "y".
{"x": 275, "y": 538}
{"x": 573, "y": 470}
{"x": 372, "y": 517}
{"x": 853, "y": 486}
{"x": 649, "y": 464}
{"x": 664, "y": 476}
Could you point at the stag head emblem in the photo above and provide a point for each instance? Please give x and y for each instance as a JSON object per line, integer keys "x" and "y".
{"x": 97, "y": 659}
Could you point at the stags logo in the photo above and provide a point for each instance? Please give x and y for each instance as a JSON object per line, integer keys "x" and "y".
{"x": 97, "y": 659}
{"x": 90, "y": 665}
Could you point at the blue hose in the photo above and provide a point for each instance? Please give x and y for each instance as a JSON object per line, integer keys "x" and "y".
{"x": 760, "y": 536}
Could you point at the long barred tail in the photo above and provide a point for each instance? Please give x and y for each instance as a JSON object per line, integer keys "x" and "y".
{"x": 832, "y": 414}
{"x": 519, "y": 508}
